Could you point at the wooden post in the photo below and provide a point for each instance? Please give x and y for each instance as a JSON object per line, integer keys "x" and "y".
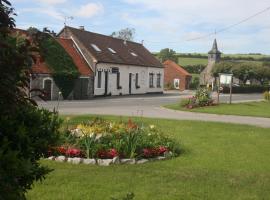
{"x": 218, "y": 89}
{"x": 231, "y": 90}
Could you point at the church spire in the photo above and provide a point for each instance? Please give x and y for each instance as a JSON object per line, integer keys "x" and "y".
{"x": 214, "y": 54}
{"x": 214, "y": 49}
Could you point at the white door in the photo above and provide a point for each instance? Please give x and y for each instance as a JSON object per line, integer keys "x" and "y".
{"x": 176, "y": 83}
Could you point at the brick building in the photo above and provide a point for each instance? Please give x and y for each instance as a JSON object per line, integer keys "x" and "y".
{"x": 175, "y": 76}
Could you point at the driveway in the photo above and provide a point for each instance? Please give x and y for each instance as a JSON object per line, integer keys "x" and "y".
{"x": 151, "y": 106}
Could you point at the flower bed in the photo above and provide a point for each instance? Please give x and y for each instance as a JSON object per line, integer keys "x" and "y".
{"x": 202, "y": 98}
{"x": 115, "y": 142}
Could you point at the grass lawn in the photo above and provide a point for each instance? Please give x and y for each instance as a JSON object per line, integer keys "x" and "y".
{"x": 257, "y": 109}
{"x": 220, "y": 161}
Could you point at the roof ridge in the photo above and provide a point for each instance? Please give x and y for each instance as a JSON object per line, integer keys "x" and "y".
{"x": 104, "y": 35}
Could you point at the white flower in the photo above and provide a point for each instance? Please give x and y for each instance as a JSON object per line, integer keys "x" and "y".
{"x": 152, "y": 126}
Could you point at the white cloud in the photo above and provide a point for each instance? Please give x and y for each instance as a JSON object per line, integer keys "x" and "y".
{"x": 52, "y": 2}
{"x": 89, "y": 10}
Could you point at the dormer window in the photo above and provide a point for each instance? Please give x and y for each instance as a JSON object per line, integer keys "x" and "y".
{"x": 96, "y": 47}
{"x": 134, "y": 54}
{"x": 111, "y": 50}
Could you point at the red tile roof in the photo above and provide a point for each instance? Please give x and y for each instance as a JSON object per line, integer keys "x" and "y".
{"x": 171, "y": 64}
{"x": 78, "y": 60}
{"x": 40, "y": 67}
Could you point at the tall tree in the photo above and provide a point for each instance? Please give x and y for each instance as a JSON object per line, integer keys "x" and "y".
{"x": 125, "y": 34}
{"x": 167, "y": 54}
{"x": 26, "y": 131}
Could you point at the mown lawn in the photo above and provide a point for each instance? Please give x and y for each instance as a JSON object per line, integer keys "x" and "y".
{"x": 220, "y": 161}
{"x": 256, "y": 109}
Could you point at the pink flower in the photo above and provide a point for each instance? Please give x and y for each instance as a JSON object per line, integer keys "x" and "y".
{"x": 73, "y": 152}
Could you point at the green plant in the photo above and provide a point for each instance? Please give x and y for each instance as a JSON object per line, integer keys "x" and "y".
{"x": 26, "y": 132}
{"x": 61, "y": 64}
{"x": 203, "y": 97}
{"x": 104, "y": 139}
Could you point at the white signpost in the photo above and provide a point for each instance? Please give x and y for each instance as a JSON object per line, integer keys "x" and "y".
{"x": 225, "y": 79}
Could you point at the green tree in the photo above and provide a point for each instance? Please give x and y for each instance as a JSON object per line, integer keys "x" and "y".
{"x": 26, "y": 131}
{"x": 222, "y": 67}
{"x": 167, "y": 54}
{"x": 125, "y": 34}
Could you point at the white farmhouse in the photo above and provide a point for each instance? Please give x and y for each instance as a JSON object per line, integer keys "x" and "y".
{"x": 120, "y": 67}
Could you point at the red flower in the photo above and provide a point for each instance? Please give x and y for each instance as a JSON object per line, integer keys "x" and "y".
{"x": 162, "y": 149}
{"x": 111, "y": 153}
{"x": 73, "y": 152}
{"x": 61, "y": 150}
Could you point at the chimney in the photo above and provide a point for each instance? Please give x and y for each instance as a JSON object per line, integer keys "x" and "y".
{"x": 125, "y": 42}
{"x": 81, "y": 28}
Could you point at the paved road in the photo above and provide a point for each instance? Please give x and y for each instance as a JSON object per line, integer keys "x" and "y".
{"x": 150, "y": 106}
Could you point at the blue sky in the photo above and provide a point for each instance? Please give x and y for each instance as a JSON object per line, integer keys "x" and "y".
{"x": 159, "y": 23}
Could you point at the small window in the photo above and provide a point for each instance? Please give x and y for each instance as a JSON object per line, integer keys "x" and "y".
{"x": 99, "y": 79}
{"x": 158, "y": 80}
{"x": 151, "y": 80}
{"x": 111, "y": 50}
{"x": 96, "y": 47}
{"x": 137, "y": 81}
{"x": 134, "y": 54}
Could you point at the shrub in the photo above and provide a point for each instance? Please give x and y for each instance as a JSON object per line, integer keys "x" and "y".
{"x": 266, "y": 96}
{"x": 26, "y": 132}
{"x": 203, "y": 97}
{"x": 245, "y": 89}
{"x": 26, "y": 136}
{"x": 195, "y": 83}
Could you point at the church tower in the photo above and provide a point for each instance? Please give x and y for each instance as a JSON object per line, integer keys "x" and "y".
{"x": 214, "y": 56}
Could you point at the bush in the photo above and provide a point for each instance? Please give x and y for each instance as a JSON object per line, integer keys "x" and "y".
{"x": 266, "y": 96}
{"x": 203, "y": 97}
{"x": 195, "y": 83}
{"x": 106, "y": 140}
{"x": 25, "y": 138}
{"x": 245, "y": 89}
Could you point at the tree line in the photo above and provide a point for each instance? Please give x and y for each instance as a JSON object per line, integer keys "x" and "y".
{"x": 245, "y": 71}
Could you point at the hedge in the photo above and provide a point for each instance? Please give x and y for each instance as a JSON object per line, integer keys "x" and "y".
{"x": 246, "y": 89}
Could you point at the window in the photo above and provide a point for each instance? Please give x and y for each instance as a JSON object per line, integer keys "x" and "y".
{"x": 96, "y": 47}
{"x": 118, "y": 81}
{"x": 111, "y": 50}
{"x": 137, "y": 81}
{"x": 151, "y": 80}
{"x": 158, "y": 80}
{"x": 99, "y": 79}
{"x": 134, "y": 54}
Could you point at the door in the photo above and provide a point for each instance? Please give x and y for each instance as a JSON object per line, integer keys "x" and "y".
{"x": 106, "y": 83}
{"x": 130, "y": 82}
{"x": 176, "y": 83}
{"x": 48, "y": 89}
{"x": 81, "y": 89}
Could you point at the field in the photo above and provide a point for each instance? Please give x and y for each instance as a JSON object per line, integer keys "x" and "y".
{"x": 192, "y": 61}
{"x": 256, "y": 109}
{"x": 219, "y": 161}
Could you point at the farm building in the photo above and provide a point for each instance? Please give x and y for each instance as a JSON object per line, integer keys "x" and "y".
{"x": 120, "y": 67}
{"x": 176, "y": 76}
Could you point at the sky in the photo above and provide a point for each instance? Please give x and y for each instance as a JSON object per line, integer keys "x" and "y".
{"x": 159, "y": 23}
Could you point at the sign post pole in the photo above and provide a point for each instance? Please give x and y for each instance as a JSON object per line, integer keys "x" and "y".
{"x": 231, "y": 90}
